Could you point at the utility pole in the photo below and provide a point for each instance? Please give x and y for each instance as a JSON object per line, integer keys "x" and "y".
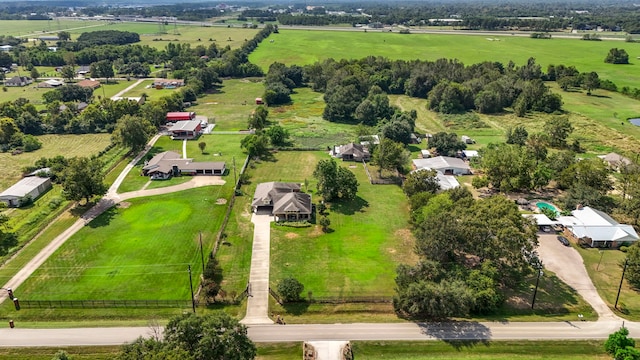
{"x": 601, "y": 255}
{"x": 201, "y": 253}
{"x": 624, "y": 269}
{"x": 535, "y": 292}
{"x": 193, "y": 299}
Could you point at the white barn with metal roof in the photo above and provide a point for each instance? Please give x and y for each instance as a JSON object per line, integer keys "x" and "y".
{"x": 32, "y": 186}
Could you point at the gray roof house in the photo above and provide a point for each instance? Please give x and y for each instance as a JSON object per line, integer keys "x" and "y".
{"x": 351, "y": 152}
{"x": 18, "y": 81}
{"x": 445, "y": 164}
{"x": 597, "y": 228}
{"x": 32, "y": 186}
{"x": 615, "y": 161}
{"x": 169, "y": 163}
{"x": 282, "y": 200}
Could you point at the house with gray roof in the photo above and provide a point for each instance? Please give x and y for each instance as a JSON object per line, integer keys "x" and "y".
{"x": 597, "y": 229}
{"x": 18, "y": 81}
{"x": 282, "y": 200}
{"x": 351, "y": 152}
{"x": 615, "y": 161}
{"x": 445, "y": 164}
{"x": 169, "y": 163}
{"x": 29, "y": 187}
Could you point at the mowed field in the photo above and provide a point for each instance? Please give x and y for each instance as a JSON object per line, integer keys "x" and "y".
{"x": 42, "y": 27}
{"x": 158, "y": 36}
{"x": 52, "y": 145}
{"x": 139, "y": 250}
{"x": 470, "y": 49}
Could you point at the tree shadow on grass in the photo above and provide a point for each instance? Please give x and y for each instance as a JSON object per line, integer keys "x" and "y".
{"x": 296, "y": 308}
{"x": 414, "y": 148}
{"x": 459, "y": 334}
{"x": 104, "y": 219}
{"x": 350, "y": 207}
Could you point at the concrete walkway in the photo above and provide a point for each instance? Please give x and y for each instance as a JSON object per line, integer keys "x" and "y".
{"x": 184, "y": 148}
{"x": 328, "y": 350}
{"x": 120, "y": 93}
{"x": 258, "y": 300}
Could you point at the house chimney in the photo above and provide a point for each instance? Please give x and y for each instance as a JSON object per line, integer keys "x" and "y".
{"x": 579, "y": 207}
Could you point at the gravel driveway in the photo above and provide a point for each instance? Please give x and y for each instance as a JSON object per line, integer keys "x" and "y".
{"x": 567, "y": 263}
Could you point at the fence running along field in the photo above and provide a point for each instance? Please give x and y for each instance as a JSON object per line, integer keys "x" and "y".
{"x": 103, "y": 304}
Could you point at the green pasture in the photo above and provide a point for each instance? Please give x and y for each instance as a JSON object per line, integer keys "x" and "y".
{"x": 469, "y": 49}
{"x": 52, "y": 145}
{"x": 138, "y": 250}
{"x": 158, "y": 36}
{"x": 230, "y": 105}
{"x": 35, "y": 28}
{"x": 303, "y": 119}
{"x": 145, "y": 88}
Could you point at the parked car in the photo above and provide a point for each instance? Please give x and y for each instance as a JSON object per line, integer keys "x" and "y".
{"x": 563, "y": 240}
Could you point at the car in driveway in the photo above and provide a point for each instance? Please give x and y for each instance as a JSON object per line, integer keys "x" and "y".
{"x": 563, "y": 240}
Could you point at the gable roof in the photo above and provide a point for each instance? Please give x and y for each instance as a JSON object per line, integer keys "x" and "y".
{"x": 595, "y": 224}
{"x": 268, "y": 193}
{"x": 615, "y": 159}
{"x": 440, "y": 162}
{"x": 295, "y": 202}
{"x": 190, "y": 125}
{"x": 159, "y": 161}
{"x": 24, "y": 186}
{"x": 89, "y": 83}
{"x": 18, "y": 80}
{"x": 356, "y": 150}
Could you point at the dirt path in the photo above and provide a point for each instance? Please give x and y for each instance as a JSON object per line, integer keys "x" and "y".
{"x": 119, "y": 94}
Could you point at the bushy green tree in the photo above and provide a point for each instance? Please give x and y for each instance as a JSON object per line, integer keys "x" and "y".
{"x": 278, "y": 136}
{"x": 290, "y": 289}
{"x": 517, "y": 135}
{"x": 335, "y": 182}
{"x": 133, "y": 132}
{"x": 617, "y": 56}
{"x": 558, "y": 129}
{"x": 390, "y": 155}
{"x": 446, "y": 144}
{"x": 83, "y": 178}
{"x": 421, "y": 181}
{"x": 256, "y": 145}
{"x": 618, "y": 343}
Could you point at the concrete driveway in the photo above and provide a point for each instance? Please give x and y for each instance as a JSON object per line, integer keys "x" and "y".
{"x": 567, "y": 263}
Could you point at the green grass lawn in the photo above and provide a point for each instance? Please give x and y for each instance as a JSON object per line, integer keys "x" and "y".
{"x": 52, "y": 145}
{"x": 139, "y": 250}
{"x": 469, "y": 49}
{"x": 606, "y": 278}
{"x": 37, "y": 28}
{"x": 369, "y": 237}
{"x": 231, "y": 104}
{"x": 145, "y": 88}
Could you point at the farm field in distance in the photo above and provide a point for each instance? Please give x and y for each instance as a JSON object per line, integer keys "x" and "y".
{"x": 470, "y": 49}
{"x": 35, "y": 28}
{"x": 52, "y": 145}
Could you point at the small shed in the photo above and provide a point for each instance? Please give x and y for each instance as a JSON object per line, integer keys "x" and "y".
{"x": 32, "y": 187}
{"x": 259, "y": 101}
{"x": 467, "y": 140}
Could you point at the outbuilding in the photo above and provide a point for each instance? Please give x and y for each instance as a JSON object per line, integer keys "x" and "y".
{"x": 29, "y": 187}
{"x": 180, "y": 116}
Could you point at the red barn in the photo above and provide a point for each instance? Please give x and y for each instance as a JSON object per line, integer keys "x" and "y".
{"x": 180, "y": 116}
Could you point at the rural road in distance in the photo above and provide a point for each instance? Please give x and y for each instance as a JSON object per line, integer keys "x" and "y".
{"x": 480, "y": 331}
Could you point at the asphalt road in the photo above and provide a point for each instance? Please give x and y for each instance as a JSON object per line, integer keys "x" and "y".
{"x": 478, "y": 331}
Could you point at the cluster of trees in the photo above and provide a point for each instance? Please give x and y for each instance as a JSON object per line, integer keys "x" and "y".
{"x": 216, "y": 336}
{"x": 450, "y": 86}
{"x": 471, "y": 252}
{"x": 257, "y": 145}
{"x": 280, "y": 82}
{"x": 236, "y": 62}
{"x": 621, "y": 346}
{"x": 103, "y": 37}
{"x": 321, "y": 20}
{"x": 617, "y": 56}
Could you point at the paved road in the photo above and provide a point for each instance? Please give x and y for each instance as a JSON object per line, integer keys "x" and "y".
{"x": 484, "y": 331}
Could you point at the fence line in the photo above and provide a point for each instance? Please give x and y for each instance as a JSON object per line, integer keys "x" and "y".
{"x": 103, "y": 304}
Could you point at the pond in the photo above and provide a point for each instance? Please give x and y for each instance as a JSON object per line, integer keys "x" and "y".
{"x": 635, "y": 121}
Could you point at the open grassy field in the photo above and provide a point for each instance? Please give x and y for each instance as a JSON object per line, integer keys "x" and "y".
{"x": 230, "y": 105}
{"x": 158, "y": 36}
{"x": 145, "y": 88}
{"x": 139, "y": 250}
{"x": 469, "y": 49}
{"x": 35, "y": 28}
{"x": 358, "y": 257}
{"x": 52, "y": 145}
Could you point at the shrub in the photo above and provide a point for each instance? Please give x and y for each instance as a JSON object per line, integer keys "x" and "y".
{"x": 624, "y": 249}
{"x": 31, "y": 143}
{"x": 290, "y": 289}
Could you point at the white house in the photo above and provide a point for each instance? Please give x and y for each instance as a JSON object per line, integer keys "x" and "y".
{"x": 32, "y": 186}
{"x": 597, "y": 228}
{"x": 445, "y": 164}
{"x": 6, "y": 48}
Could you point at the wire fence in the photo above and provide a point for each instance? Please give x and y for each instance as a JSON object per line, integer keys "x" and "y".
{"x": 103, "y": 304}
